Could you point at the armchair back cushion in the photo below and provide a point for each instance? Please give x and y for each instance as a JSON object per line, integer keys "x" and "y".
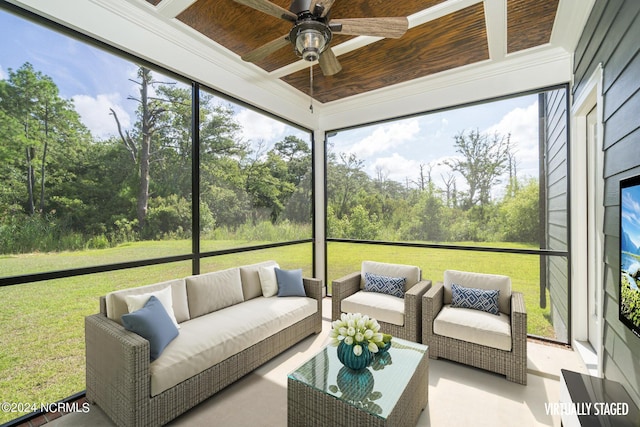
{"x": 480, "y": 281}
{"x": 409, "y": 272}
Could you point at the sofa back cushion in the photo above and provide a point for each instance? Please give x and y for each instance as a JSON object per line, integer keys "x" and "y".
{"x": 210, "y": 292}
{"x": 409, "y": 272}
{"x": 480, "y": 281}
{"x": 117, "y": 305}
{"x": 249, "y": 274}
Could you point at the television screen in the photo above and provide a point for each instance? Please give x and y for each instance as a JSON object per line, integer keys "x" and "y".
{"x": 630, "y": 253}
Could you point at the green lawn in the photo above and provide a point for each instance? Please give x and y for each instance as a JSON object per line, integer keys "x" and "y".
{"x": 42, "y": 324}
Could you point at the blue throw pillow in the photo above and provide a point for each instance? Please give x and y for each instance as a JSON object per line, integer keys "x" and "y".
{"x": 384, "y": 284}
{"x": 152, "y": 323}
{"x": 290, "y": 283}
{"x": 477, "y": 299}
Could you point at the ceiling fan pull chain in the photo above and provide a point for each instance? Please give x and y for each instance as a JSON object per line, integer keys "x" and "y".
{"x": 311, "y": 88}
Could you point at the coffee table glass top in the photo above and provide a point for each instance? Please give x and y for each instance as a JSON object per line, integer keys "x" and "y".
{"x": 375, "y": 389}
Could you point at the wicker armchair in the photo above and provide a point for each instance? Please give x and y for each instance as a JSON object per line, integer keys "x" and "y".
{"x": 503, "y": 349}
{"x": 400, "y": 317}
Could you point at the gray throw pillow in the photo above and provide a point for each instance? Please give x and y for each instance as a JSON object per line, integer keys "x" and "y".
{"x": 290, "y": 283}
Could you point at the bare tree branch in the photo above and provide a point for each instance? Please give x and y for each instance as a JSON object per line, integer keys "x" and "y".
{"x": 126, "y": 138}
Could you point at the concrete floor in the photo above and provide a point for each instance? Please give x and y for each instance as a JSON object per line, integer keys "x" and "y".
{"x": 458, "y": 395}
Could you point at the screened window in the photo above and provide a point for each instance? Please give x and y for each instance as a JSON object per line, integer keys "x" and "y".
{"x": 479, "y": 188}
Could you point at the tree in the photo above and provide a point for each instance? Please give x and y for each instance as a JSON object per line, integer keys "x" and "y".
{"x": 519, "y": 213}
{"x": 50, "y": 127}
{"x": 264, "y": 186}
{"x": 151, "y": 116}
{"x": 345, "y": 180}
{"x": 297, "y": 176}
{"x": 484, "y": 160}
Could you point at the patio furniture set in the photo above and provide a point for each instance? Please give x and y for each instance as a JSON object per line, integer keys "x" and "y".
{"x": 225, "y": 324}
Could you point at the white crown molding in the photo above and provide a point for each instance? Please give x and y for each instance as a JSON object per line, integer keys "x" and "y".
{"x": 516, "y": 73}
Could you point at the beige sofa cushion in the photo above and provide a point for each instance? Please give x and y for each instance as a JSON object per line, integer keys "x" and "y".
{"x": 212, "y": 291}
{"x": 249, "y": 274}
{"x": 117, "y": 306}
{"x": 409, "y": 272}
{"x": 474, "y": 326}
{"x": 207, "y": 340}
{"x": 382, "y": 307}
{"x": 480, "y": 281}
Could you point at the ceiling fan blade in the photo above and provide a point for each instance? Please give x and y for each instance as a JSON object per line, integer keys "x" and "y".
{"x": 266, "y": 49}
{"x": 329, "y": 64}
{"x": 392, "y": 28}
{"x": 326, "y": 4}
{"x": 270, "y": 9}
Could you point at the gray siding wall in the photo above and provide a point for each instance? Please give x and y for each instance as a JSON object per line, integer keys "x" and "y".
{"x": 555, "y": 169}
{"x": 611, "y": 38}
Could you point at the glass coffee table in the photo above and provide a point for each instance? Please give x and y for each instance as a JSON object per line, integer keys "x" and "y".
{"x": 393, "y": 391}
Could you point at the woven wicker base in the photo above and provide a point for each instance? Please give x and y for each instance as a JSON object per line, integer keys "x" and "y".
{"x": 308, "y": 406}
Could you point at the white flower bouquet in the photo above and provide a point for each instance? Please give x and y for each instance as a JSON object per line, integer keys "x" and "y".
{"x": 358, "y": 331}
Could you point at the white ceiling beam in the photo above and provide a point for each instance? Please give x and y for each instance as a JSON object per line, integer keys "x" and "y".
{"x": 495, "y": 14}
{"x": 173, "y": 8}
{"x": 438, "y": 11}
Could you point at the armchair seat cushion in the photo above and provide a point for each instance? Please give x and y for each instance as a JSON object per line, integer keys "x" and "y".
{"x": 474, "y": 326}
{"x": 382, "y": 307}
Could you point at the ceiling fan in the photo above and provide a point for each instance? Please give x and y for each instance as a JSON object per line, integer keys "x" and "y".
{"x": 312, "y": 30}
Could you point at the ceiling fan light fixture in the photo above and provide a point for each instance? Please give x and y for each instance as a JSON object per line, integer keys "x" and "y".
{"x": 309, "y": 44}
{"x": 311, "y": 39}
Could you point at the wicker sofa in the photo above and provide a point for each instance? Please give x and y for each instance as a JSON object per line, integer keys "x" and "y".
{"x": 496, "y": 342}
{"x": 227, "y": 328}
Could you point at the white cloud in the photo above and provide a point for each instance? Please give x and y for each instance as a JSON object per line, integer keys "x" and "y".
{"x": 394, "y": 167}
{"x": 258, "y": 127}
{"x": 522, "y": 124}
{"x": 399, "y": 168}
{"x": 96, "y": 114}
{"x": 385, "y": 137}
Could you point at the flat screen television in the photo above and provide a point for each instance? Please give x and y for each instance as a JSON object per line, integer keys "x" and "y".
{"x": 630, "y": 253}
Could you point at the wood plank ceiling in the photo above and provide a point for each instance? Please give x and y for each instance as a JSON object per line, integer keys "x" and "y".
{"x": 448, "y": 42}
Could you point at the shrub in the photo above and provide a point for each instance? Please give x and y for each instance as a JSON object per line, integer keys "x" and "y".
{"x": 170, "y": 216}
{"x": 98, "y": 242}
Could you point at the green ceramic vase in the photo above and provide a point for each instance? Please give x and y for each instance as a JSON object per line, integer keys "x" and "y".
{"x": 350, "y": 360}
